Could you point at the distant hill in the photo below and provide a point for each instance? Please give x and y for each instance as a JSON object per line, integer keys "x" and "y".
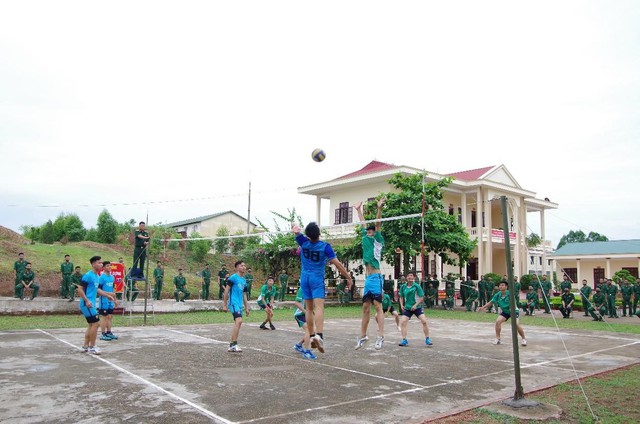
{"x": 46, "y": 260}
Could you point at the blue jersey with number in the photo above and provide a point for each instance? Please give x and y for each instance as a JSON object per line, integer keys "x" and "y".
{"x": 314, "y": 256}
{"x": 237, "y": 287}
{"x": 105, "y": 283}
{"x": 90, "y": 282}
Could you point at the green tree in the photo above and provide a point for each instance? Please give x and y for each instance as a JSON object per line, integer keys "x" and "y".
{"x": 30, "y": 232}
{"x": 580, "y": 237}
{"x": 622, "y": 276}
{"x": 534, "y": 240}
{"x": 47, "y": 233}
{"x": 199, "y": 248}
{"x": 91, "y": 235}
{"x": 442, "y": 232}
{"x": 74, "y": 228}
{"x": 58, "y": 228}
{"x": 222, "y": 244}
{"x": 107, "y": 228}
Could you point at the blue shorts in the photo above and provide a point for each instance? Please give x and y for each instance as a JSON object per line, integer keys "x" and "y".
{"x": 507, "y": 316}
{"x": 106, "y": 304}
{"x": 91, "y": 315}
{"x": 312, "y": 287}
{"x": 373, "y": 284}
{"x": 301, "y": 320}
{"x": 370, "y": 297}
{"x": 409, "y": 313}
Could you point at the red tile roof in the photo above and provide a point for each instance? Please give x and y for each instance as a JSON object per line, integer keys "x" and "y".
{"x": 472, "y": 174}
{"x": 373, "y": 166}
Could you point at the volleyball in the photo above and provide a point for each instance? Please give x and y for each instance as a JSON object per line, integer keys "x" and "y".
{"x": 318, "y": 155}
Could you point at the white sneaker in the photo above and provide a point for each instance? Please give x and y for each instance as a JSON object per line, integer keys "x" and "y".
{"x": 361, "y": 342}
{"x": 497, "y": 342}
{"x": 234, "y": 348}
{"x": 317, "y": 343}
{"x": 524, "y": 342}
{"x": 379, "y": 342}
{"x": 94, "y": 351}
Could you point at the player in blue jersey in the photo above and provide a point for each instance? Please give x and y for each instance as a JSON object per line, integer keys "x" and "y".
{"x": 300, "y": 316}
{"x": 105, "y": 308}
{"x": 372, "y": 244}
{"x": 235, "y": 301}
{"x": 314, "y": 256}
{"x": 89, "y": 291}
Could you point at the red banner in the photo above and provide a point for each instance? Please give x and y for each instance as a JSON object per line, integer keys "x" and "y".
{"x": 118, "y": 271}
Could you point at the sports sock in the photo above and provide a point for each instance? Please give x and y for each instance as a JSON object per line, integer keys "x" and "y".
{"x": 321, "y": 335}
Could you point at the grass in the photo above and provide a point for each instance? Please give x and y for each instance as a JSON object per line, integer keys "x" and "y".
{"x": 9, "y": 322}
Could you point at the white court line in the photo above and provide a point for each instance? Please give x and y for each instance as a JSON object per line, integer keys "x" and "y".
{"x": 393, "y": 380}
{"x": 149, "y": 383}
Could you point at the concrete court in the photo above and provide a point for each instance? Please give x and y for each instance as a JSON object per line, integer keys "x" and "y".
{"x": 185, "y": 374}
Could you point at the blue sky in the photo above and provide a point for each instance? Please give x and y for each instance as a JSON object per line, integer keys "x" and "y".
{"x": 138, "y": 106}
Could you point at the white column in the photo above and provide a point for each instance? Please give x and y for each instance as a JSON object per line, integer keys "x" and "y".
{"x": 318, "y": 203}
{"x": 488, "y": 225}
{"x": 544, "y": 238}
{"x": 481, "y": 266}
{"x": 608, "y": 269}
{"x": 463, "y": 206}
{"x": 578, "y": 273}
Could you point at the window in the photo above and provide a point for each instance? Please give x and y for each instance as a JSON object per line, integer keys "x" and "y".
{"x": 344, "y": 214}
{"x": 459, "y": 215}
{"x": 450, "y": 208}
{"x": 572, "y": 273}
{"x": 474, "y": 221}
{"x": 195, "y": 228}
{"x": 632, "y": 270}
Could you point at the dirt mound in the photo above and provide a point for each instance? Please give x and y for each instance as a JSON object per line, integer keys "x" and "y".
{"x": 91, "y": 244}
{"x": 10, "y": 235}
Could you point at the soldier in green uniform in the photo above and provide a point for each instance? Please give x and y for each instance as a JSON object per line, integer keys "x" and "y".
{"x": 222, "y": 280}
{"x": 532, "y": 301}
{"x": 636, "y": 296}
{"x": 537, "y": 287}
{"x": 436, "y": 285}
{"x": 567, "y": 300}
{"x": 566, "y": 283}
{"x": 547, "y": 291}
{"x": 430, "y": 296}
{"x": 341, "y": 287}
{"x": 501, "y": 301}
{"x": 140, "y": 250}
{"x": 598, "y": 305}
{"x": 482, "y": 291}
{"x": 66, "y": 268}
{"x": 450, "y": 292}
{"x": 387, "y": 306}
{"x": 610, "y": 291}
{"x": 494, "y": 291}
{"x": 19, "y": 266}
{"x": 472, "y": 298}
{"x": 284, "y": 279}
{"x": 158, "y": 276}
{"x": 27, "y": 281}
{"x": 585, "y": 294}
{"x": 249, "y": 277}
{"x": 626, "y": 291}
{"x": 76, "y": 280}
{"x": 181, "y": 287}
{"x": 517, "y": 288}
{"x": 206, "y": 282}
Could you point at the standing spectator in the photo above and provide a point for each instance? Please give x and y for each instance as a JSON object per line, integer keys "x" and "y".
{"x": 181, "y": 287}
{"x": 547, "y": 291}
{"x": 342, "y": 291}
{"x": 158, "y": 276}
{"x": 567, "y": 303}
{"x": 206, "y": 282}
{"x": 222, "y": 280}
{"x": 610, "y": 291}
{"x": 284, "y": 279}
{"x": 18, "y": 267}
{"x": 537, "y": 287}
{"x": 626, "y": 291}
{"x": 249, "y": 278}
{"x": 566, "y": 283}
{"x": 140, "y": 250}
{"x": 636, "y": 296}
{"x": 66, "y": 269}
{"x": 27, "y": 281}
{"x": 585, "y": 294}
{"x": 430, "y": 296}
